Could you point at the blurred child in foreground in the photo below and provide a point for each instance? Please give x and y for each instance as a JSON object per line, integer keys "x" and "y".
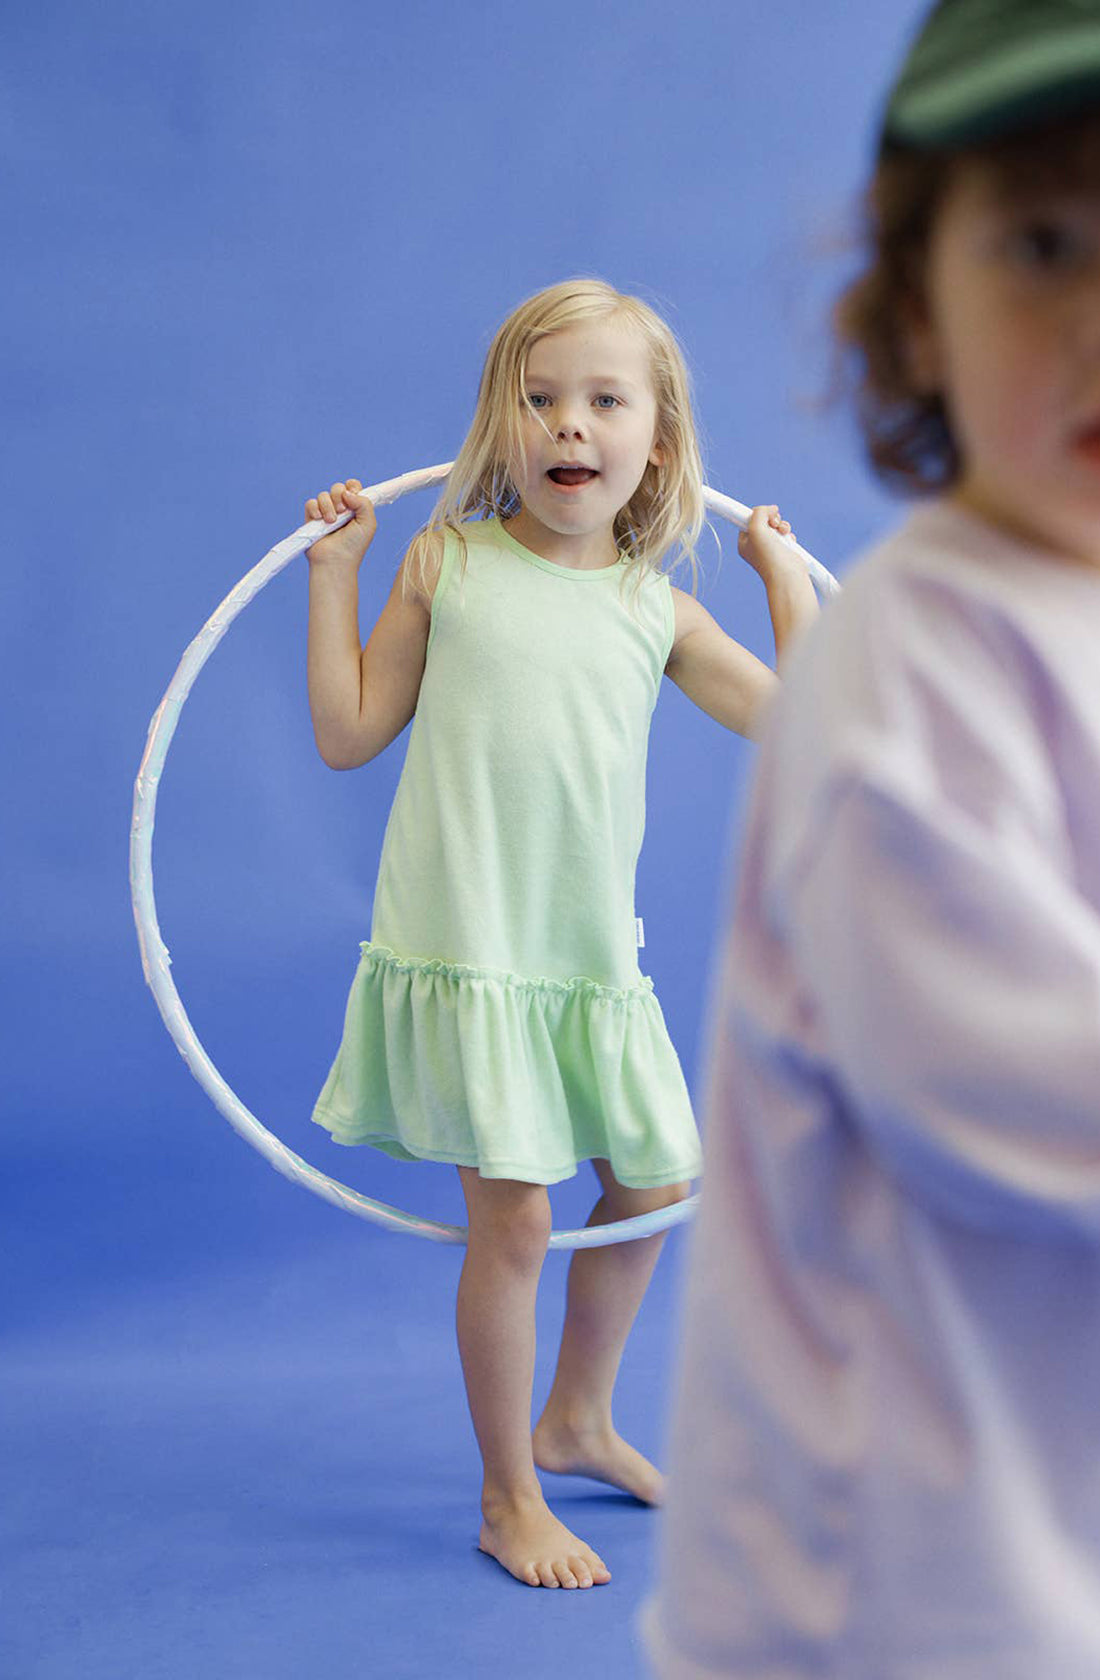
{"x": 886, "y": 1447}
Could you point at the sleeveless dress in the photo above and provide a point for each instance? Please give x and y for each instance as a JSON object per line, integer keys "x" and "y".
{"x": 498, "y": 1018}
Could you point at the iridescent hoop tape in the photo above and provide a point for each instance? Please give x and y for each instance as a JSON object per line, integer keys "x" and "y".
{"x": 154, "y": 954}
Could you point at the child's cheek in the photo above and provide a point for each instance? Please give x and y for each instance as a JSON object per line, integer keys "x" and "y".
{"x": 999, "y": 400}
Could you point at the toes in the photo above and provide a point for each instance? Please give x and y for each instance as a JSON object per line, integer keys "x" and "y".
{"x": 531, "y": 1576}
{"x": 546, "y": 1575}
{"x": 581, "y": 1571}
{"x": 565, "y": 1575}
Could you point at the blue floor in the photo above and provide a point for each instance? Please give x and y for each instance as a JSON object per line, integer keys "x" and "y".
{"x": 264, "y": 1468}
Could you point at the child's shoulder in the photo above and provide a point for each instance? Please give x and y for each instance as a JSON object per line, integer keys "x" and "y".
{"x": 439, "y": 548}
{"x": 945, "y": 581}
{"x": 926, "y": 681}
{"x": 928, "y": 638}
{"x": 422, "y": 565}
{"x": 689, "y": 614}
{"x": 914, "y": 581}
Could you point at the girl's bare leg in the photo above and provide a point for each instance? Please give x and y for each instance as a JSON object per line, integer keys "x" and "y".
{"x": 575, "y": 1433}
{"x": 509, "y": 1228}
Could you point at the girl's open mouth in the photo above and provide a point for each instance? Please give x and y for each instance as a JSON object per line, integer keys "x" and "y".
{"x": 570, "y": 477}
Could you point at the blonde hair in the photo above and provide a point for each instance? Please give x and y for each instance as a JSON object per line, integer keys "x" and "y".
{"x": 666, "y": 510}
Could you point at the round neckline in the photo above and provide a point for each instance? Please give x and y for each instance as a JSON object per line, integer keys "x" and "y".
{"x": 583, "y": 574}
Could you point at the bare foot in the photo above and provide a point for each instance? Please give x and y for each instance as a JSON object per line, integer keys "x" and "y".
{"x": 527, "y": 1538}
{"x": 601, "y": 1454}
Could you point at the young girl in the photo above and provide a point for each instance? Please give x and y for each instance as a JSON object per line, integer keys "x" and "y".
{"x": 885, "y": 1455}
{"x": 498, "y": 1019}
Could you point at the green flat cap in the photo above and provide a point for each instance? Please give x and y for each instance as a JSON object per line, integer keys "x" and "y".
{"x": 982, "y": 68}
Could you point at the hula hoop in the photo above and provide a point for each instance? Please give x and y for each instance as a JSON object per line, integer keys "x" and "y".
{"x": 154, "y": 954}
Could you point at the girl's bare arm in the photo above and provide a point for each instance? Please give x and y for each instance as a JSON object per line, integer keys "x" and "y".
{"x": 360, "y": 698}
{"x": 723, "y": 678}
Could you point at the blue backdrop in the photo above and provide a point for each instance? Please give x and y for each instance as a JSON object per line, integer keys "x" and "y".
{"x": 250, "y": 249}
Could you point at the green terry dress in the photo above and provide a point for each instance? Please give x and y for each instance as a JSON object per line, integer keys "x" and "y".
{"x": 498, "y": 1018}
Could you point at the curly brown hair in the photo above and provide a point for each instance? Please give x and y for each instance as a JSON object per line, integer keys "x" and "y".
{"x": 906, "y": 430}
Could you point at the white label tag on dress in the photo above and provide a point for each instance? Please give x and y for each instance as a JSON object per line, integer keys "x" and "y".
{"x": 639, "y": 928}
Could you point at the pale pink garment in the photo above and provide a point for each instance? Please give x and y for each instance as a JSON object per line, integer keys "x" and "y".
{"x": 885, "y": 1461}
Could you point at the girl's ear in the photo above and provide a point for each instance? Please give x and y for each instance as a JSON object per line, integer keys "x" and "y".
{"x": 658, "y": 455}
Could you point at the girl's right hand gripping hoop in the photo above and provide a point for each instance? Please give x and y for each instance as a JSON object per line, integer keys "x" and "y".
{"x": 154, "y": 954}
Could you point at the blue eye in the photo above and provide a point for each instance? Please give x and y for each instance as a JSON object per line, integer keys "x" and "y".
{"x": 538, "y": 399}
{"x": 606, "y": 400}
